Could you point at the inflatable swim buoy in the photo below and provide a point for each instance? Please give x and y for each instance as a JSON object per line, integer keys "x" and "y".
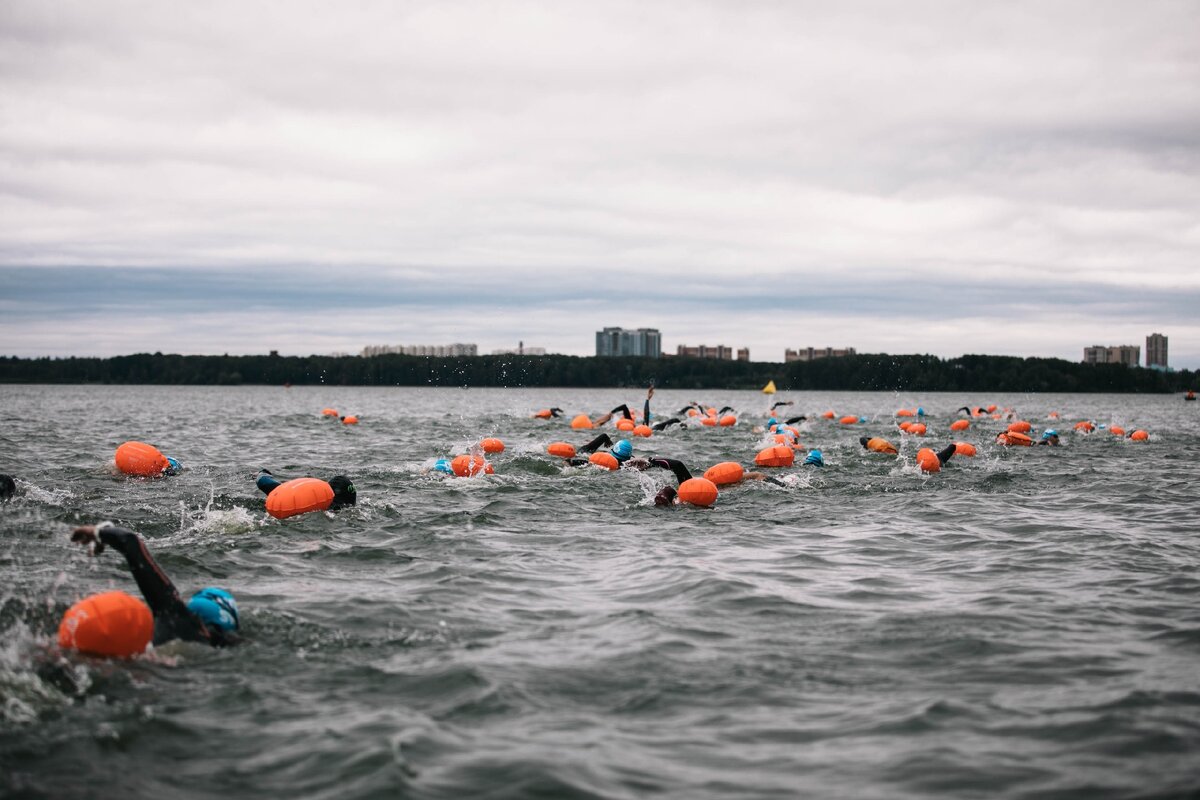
{"x": 606, "y": 460}
{"x": 917, "y": 429}
{"x": 1020, "y": 426}
{"x": 779, "y": 455}
{"x": 960, "y": 425}
{"x": 879, "y": 445}
{"x": 928, "y": 461}
{"x": 466, "y": 466}
{"x": 110, "y": 624}
{"x": 698, "y": 492}
{"x": 545, "y": 413}
{"x": 849, "y": 419}
{"x": 709, "y": 421}
{"x": 1139, "y": 436}
{"x": 643, "y": 430}
{"x": 906, "y": 412}
{"x": 329, "y": 412}
{"x": 299, "y": 496}
{"x": 492, "y": 445}
{"x": 561, "y": 449}
{"x": 727, "y": 420}
{"x": 964, "y": 449}
{"x": 1116, "y": 430}
{"x": 828, "y": 415}
{"x": 725, "y": 473}
{"x": 581, "y": 422}
{"x": 624, "y": 424}
{"x": 904, "y": 426}
{"x": 350, "y": 420}
{"x": 139, "y": 458}
{"x": 1085, "y": 426}
{"x": 1014, "y": 439}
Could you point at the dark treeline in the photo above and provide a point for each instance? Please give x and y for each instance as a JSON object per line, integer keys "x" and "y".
{"x": 855, "y": 373}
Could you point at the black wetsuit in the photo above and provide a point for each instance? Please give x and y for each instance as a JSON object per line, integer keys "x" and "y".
{"x": 172, "y": 619}
{"x": 794, "y": 420}
{"x": 603, "y": 440}
{"x": 8, "y": 487}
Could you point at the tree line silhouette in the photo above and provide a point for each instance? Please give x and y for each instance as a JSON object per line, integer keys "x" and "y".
{"x": 860, "y": 372}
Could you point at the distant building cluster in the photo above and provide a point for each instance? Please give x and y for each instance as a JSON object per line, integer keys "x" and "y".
{"x": 1156, "y": 351}
{"x": 521, "y": 350}
{"x": 813, "y": 353}
{"x": 1127, "y": 354}
{"x": 625, "y": 342}
{"x": 435, "y": 350}
{"x": 720, "y": 352}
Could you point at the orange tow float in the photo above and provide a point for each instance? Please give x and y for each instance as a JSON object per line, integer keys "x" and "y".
{"x": 111, "y": 624}
{"x": 139, "y": 458}
{"x": 299, "y": 496}
{"x": 725, "y": 473}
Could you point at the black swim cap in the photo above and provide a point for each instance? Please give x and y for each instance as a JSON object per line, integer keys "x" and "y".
{"x": 8, "y": 487}
{"x": 344, "y": 493}
{"x": 666, "y": 496}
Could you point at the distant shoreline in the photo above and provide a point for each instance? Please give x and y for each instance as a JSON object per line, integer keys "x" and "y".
{"x": 862, "y": 372}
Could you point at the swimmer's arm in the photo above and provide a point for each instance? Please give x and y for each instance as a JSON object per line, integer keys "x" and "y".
{"x": 677, "y": 467}
{"x": 667, "y": 423}
{"x": 602, "y": 440}
{"x": 624, "y": 409}
{"x": 646, "y": 407}
{"x": 556, "y": 412}
{"x": 161, "y": 595}
{"x": 794, "y": 420}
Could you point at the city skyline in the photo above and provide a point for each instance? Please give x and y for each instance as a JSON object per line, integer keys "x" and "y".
{"x": 1018, "y": 179}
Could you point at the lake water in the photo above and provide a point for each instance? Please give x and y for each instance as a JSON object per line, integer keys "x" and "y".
{"x": 1023, "y": 624}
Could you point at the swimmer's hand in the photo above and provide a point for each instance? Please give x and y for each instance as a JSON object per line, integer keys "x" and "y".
{"x": 86, "y": 535}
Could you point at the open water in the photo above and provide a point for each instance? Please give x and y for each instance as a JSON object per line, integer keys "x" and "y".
{"x": 1023, "y": 624}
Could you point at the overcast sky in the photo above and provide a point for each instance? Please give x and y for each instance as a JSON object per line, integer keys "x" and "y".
{"x": 916, "y": 177}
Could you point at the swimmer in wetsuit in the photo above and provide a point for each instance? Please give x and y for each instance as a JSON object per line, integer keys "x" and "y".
{"x": 547, "y": 413}
{"x": 624, "y": 409}
{"x": 8, "y": 487}
{"x": 210, "y": 617}
{"x": 669, "y": 494}
{"x": 344, "y": 493}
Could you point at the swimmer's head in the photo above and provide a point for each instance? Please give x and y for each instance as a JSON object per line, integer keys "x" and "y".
{"x": 814, "y": 459}
{"x": 772, "y": 421}
{"x": 344, "y": 493}
{"x": 215, "y": 607}
{"x": 622, "y": 450}
{"x": 920, "y": 411}
{"x": 443, "y": 465}
{"x": 1049, "y": 433}
{"x": 8, "y": 487}
{"x": 172, "y": 466}
{"x": 665, "y": 496}
{"x": 863, "y": 440}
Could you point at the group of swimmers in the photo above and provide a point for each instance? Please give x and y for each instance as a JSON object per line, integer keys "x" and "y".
{"x": 115, "y": 624}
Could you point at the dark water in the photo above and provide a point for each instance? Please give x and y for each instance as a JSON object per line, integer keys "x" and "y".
{"x": 1023, "y": 624}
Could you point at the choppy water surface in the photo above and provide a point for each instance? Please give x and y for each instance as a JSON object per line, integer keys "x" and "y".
{"x": 1023, "y": 624}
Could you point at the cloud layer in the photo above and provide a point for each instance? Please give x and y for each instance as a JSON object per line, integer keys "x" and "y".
{"x": 932, "y": 177}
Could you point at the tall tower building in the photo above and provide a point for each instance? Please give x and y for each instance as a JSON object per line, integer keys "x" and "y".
{"x": 1156, "y": 350}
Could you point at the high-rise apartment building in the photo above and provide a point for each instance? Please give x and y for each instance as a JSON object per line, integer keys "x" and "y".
{"x": 1156, "y": 351}
{"x": 623, "y": 342}
{"x": 1127, "y": 354}
{"x": 813, "y": 353}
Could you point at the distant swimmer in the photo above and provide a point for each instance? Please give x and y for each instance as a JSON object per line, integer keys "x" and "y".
{"x": 144, "y": 460}
{"x": 8, "y": 487}
{"x": 547, "y": 413}
{"x": 780, "y": 403}
{"x": 694, "y": 491}
{"x": 877, "y": 444}
{"x": 619, "y": 454}
{"x": 302, "y": 495}
{"x": 209, "y": 617}
{"x": 1049, "y": 437}
{"x": 626, "y": 413}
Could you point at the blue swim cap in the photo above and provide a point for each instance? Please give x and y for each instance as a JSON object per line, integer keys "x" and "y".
{"x": 772, "y": 421}
{"x": 1046, "y": 434}
{"x": 622, "y": 450}
{"x": 443, "y": 465}
{"x": 216, "y": 607}
{"x": 173, "y": 465}
{"x": 814, "y": 459}
{"x": 920, "y": 411}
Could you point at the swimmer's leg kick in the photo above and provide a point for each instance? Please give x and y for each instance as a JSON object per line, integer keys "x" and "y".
{"x": 172, "y": 619}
